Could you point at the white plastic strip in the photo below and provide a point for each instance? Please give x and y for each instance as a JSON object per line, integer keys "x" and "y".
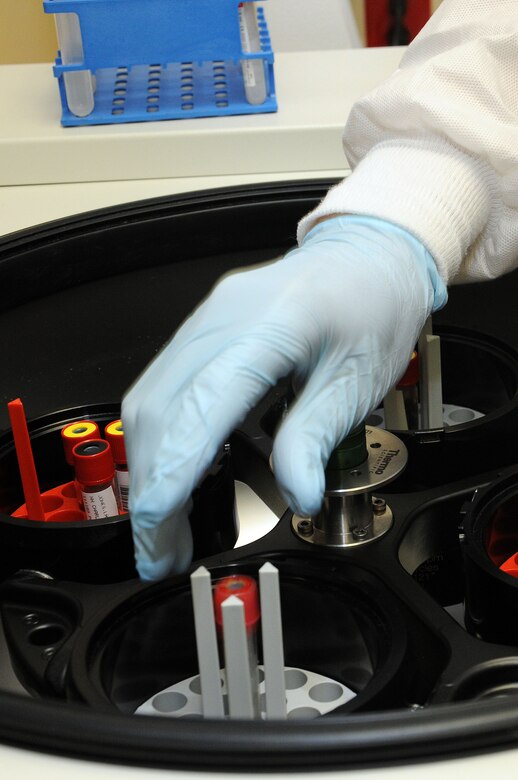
{"x": 430, "y": 383}
{"x": 273, "y": 648}
{"x": 206, "y": 644}
{"x": 239, "y": 673}
{"x": 394, "y": 409}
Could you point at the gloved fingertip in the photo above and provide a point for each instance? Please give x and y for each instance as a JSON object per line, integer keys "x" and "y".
{"x": 303, "y": 505}
{"x": 152, "y": 571}
{"x": 155, "y": 503}
{"x": 301, "y": 479}
{"x": 142, "y": 519}
{"x": 148, "y": 571}
{"x": 163, "y": 546}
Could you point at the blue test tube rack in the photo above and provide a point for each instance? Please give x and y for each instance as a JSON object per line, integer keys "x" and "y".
{"x": 160, "y": 59}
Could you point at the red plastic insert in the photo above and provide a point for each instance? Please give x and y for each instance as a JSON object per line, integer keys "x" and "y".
{"x": 510, "y": 566}
{"x": 60, "y": 505}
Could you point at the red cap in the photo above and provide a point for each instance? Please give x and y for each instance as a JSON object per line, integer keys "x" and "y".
{"x": 93, "y": 462}
{"x": 411, "y": 375}
{"x": 73, "y": 433}
{"x": 245, "y": 588}
{"x": 114, "y": 434}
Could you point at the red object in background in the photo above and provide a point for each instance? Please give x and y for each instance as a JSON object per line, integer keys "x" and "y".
{"x": 378, "y": 19}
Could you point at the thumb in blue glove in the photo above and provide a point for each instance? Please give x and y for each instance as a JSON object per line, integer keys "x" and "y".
{"x": 343, "y": 311}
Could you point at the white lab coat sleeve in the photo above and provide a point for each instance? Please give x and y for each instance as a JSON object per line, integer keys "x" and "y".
{"x": 434, "y": 148}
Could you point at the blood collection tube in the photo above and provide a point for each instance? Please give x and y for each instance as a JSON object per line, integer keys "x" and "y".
{"x": 408, "y": 385}
{"x": 76, "y": 432}
{"x": 114, "y": 434}
{"x": 239, "y": 634}
{"x": 95, "y": 475}
{"x": 72, "y": 434}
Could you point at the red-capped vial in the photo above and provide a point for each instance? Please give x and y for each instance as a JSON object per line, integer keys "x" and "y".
{"x": 114, "y": 434}
{"x": 76, "y": 432}
{"x": 95, "y": 476}
{"x": 245, "y": 588}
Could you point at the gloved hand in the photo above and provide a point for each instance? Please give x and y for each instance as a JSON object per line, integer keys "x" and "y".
{"x": 343, "y": 311}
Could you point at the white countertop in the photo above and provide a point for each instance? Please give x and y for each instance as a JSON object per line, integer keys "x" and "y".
{"x": 47, "y": 171}
{"x": 315, "y": 92}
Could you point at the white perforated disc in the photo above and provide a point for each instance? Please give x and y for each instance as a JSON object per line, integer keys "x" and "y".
{"x": 451, "y": 415}
{"x": 308, "y": 695}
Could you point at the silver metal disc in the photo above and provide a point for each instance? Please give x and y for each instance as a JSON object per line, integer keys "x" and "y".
{"x": 387, "y": 457}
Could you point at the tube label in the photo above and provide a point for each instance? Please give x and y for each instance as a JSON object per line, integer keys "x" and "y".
{"x": 100, "y": 504}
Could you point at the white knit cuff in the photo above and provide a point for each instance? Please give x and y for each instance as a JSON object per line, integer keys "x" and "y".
{"x": 432, "y": 189}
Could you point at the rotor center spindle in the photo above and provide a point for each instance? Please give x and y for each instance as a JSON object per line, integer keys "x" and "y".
{"x": 344, "y": 518}
{"x": 365, "y": 460}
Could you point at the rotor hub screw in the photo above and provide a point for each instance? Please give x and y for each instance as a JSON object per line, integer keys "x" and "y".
{"x": 305, "y": 527}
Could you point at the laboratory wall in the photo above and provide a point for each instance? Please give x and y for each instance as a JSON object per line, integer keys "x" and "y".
{"x": 27, "y": 34}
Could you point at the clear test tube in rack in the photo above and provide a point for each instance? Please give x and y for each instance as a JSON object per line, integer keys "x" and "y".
{"x": 79, "y": 85}
{"x": 253, "y": 69}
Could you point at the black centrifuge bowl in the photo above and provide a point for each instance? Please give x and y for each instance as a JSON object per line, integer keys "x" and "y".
{"x": 85, "y": 303}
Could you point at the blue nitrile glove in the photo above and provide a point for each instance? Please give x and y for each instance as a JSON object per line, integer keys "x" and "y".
{"x": 343, "y": 311}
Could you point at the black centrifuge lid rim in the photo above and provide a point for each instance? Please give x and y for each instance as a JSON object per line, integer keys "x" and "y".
{"x": 372, "y": 739}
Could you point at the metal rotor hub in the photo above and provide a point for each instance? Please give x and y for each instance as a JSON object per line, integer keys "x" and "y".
{"x": 350, "y": 514}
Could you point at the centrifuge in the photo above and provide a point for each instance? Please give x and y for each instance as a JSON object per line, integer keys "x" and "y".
{"x": 399, "y": 646}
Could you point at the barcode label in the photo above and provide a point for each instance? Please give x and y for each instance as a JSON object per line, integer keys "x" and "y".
{"x": 123, "y": 485}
